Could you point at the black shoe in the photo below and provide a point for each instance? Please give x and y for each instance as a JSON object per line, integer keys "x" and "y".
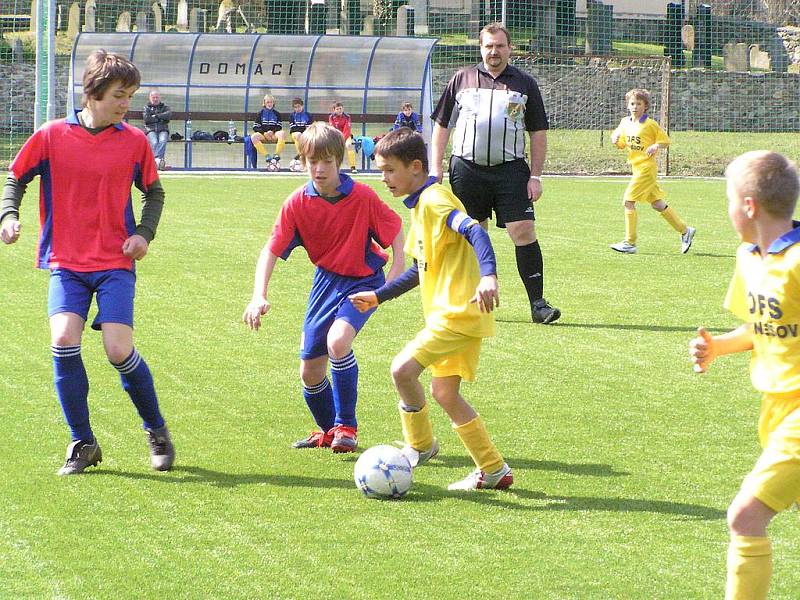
{"x": 81, "y": 454}
{"x": 162, "y": 452}
{"x": 542, "y": 312}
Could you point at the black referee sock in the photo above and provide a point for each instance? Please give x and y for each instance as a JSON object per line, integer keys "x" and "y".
{"x": 530, "y": 266}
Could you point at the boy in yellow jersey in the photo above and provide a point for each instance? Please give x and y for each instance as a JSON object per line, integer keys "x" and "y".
{"x": 763, "y": 188}
{"x": 643, "y": 138}
{"x": 458, "y": 296}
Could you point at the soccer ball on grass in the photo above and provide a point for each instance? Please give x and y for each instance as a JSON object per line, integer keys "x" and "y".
{"x": 383, "y": 472}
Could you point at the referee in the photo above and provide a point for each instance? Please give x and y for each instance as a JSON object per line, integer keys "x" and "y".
{"x": 491, "y": 106}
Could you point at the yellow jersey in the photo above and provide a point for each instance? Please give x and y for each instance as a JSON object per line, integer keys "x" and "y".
{"x": 637, "y": 136}
{"x": 765, "y": 292}
{"x": 448, "y": 266}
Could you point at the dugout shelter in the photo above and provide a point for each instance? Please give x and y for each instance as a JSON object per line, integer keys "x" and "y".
{"x": 215, "y": 82}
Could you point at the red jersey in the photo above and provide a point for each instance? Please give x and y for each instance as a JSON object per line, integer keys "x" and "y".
{"x": 85, "y": 208}
{"x": 341, "y": 122}
{"x": 346, "y": 237}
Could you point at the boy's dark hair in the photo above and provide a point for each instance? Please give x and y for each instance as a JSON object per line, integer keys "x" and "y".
{"x": 103, "y": 69}
{"x": 405, "y": 145}
{"x": 297, "y": 101}
{"x": 494, "y": 29}
{"x": 407, "y": 105}
{"x": 640, "y": 94}
{"x": 337, "y": 104}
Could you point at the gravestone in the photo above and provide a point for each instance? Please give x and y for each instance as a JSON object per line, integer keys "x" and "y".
{"x": 198, "y": 20}
{"x": 90, "y": 16}
{"x": 17, "y": 52}
{"x": 369, "y": 25}
{"x": 405, "y": 21}
{"x": 74, "y": 23}
{"x": 758, "y": 58}
{"x": 420, "y": 16}
{"x": 158, "y": 18}
{"x": 736, "y": 57}
{"x": 124, "y": 21}
{"x": 142, "y": 22}
{"x": 182, "y": 23}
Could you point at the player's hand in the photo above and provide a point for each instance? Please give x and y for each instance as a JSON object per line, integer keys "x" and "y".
{"x": 135, "y": 247}
{"x": 614, "y": 139}
{"x": 652, "y": 150}
{"x": 702, "y": 350}
{"x": 252, "y": 314}
{"x": 9, "y": 232}
{"x": 487, "y": 296}
{"x": 364, "y": 301}
{"x": 534, "y": 190}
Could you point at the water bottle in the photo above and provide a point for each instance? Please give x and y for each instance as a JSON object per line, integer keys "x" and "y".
{"x": 231, "y": 131}
{"x": 188, "y": 129}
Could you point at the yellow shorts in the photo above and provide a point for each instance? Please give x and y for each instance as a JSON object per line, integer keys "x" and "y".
{"x": 644, "y": 188}
{"x": 775, "y": 479}
{"x": 446, "y": 352}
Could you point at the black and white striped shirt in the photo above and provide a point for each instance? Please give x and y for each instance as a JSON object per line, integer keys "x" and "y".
{"x": 490, "y": 116}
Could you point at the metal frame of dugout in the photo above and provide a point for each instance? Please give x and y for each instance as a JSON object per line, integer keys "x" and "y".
{"x": 229, "y": 74}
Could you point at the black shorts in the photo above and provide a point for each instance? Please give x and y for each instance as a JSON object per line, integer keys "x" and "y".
{"x": 266, "y": 128}
{"x": 297, "y": 129}
{"x": 502, "y": 189}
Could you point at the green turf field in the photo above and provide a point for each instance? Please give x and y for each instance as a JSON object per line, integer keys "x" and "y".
{"x": 624, "y": 460}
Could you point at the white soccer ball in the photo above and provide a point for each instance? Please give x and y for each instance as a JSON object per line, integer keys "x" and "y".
{"x": 272, "y": 166}
{"x": 295, "y": 166}
{"x": 383, "y": 472}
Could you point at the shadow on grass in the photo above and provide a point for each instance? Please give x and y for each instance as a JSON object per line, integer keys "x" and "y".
{"x": 591, "y": 469}
{"x": 619, "y": 326}
{"x": 516, "y": 498}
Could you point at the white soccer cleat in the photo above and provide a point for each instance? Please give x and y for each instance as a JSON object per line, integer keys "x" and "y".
{"x": 625, "y": 247}
{"x": 416, "y": 458}
{"x": 686, "y": 239}
{"x": 480, "y": 480}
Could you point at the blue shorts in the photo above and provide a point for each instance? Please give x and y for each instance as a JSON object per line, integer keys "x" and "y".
{"x": 328, "y": 302}
{"x": 72, "y": 291}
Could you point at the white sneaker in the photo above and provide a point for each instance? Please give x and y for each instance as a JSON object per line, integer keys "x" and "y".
{"x": 624, "y": 247}
{"x": 416, "y": 458}
{"x": 480, "y": 480}
{"x": 686, "y": 239}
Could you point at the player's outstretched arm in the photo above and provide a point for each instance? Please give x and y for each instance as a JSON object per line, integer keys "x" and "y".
{"x": 364, "y": 301}
{"x": 398, "y": 257}
{"x": 9, "y": 231}
{"x": 259, "y": 305}
{"x": 439, "y": 139}
{"x": 706, "y": 348}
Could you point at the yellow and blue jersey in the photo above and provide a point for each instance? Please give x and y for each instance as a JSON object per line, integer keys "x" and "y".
{"x": 765, "y": 292}
{"x": 637, "y": 136}
{"x": 448, "y": 267}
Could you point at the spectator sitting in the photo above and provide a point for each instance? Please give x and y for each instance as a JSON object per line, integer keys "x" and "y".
{"x": 267, "y": 127}
{"x": 407, "y": 118}
{"x": 156, "y": 125}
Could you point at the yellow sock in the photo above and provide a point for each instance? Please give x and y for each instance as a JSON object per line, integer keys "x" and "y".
{"x": 279, "y": 147}
{"x": 671, "y": 217}
{"x": 476, "y": 440}
{"x": 630, "y": 226}
{"x": 417, "y": 428}
{"x": 749, "y": 568}
{"x": 351, "y": 158}
{"x": 296, "y": 140}
{"x": 259, "y": 147}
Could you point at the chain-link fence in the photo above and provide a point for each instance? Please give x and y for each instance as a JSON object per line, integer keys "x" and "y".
{"x": 725, "y": 74}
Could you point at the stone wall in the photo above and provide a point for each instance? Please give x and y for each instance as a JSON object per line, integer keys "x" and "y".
{"x": 577, "y": 97}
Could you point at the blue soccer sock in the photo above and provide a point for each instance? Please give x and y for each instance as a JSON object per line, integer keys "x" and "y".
{"x": 72, "y": 389}
{"x": 138, "y": 382}
{"x": 344, "y": 373}
{"x": 319, "y": 399}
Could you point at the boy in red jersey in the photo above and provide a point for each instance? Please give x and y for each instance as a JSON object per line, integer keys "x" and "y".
{"x": 89, "y": 242}
{"x": 342, "y": 121}
{"x": 343, "y": 226}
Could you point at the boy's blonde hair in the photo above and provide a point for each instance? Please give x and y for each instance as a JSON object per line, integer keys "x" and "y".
{"x": 640, "y": 94}
{"x": 320, "y": 141}
{"x": 102, "y": 70}
{"x": 268, "y": 97}
{"x": 768, "y": 177}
